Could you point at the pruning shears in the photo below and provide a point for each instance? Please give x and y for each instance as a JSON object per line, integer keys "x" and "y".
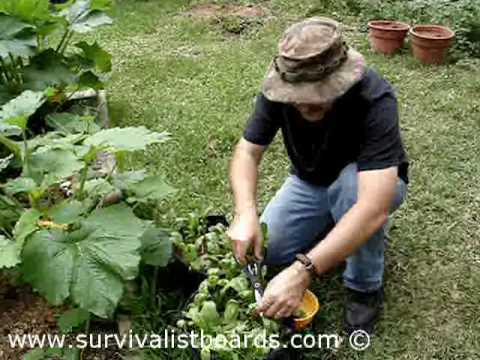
{"x": 254, "y": 273}
{"x": 253, "y": 270}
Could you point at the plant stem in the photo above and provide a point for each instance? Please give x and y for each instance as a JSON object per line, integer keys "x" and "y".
{"x": 87, "y": 332}
{"x": 64, "y": 37}
{"x": 153, "y": 294}
{"x": 15, "y": 71}
{"x": 65, "y": 44}
{"x": 5, "y": 70}
{"x": 25, "y": 159}
{"x": 83, "y": 179}
{"x": 3, "y": 73}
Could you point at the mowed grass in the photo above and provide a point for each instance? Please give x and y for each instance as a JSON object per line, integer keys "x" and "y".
{"x": 187, "y": 76}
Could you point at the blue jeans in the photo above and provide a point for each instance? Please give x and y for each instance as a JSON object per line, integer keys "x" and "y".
{"x": 301, "y": 214}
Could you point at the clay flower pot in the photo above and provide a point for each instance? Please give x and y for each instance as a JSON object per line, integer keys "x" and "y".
{"x": 386, "y": 37}
{"x": 430, "y": 43}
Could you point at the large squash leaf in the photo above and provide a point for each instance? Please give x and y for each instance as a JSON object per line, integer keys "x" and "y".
{"x": 67, "y": 212}
{"x": 72, "y": 319}
{"x": 89, "y": 80}
{"x": 100, "y": 59}
{"x": 31, "y": 11}
{"x": 17, "y": 111}
{"x": 16, "y": 38}
{"x": 125, "y": 180}
{"x": 156, "y": 246}
{"x": 48, "y": 264}
{"x": 83, "y": 17}
{"x": 20, "y": 185}
{"x": 8, "y": 253}
{"x": 25, "y": 226}
{"x": 152, "y": 188}
{"x": 126, "y": 139}
{"x": 89, "y": 264}
{"x": 47, "y": 69}
{"x": 57, "y": 164}
{"x": 72, "y": 123}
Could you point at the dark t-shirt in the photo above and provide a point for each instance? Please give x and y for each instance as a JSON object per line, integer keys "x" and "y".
{"x": 362, "y": 127}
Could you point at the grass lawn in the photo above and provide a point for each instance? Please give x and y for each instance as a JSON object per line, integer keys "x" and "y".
{"x": 189, "y": 77}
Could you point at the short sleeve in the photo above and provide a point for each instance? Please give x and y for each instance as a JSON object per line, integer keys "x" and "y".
{"x": 264, "y": 122}
{"x": 382, "y": 145}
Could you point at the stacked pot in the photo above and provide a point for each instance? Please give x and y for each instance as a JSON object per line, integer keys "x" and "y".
{"x": 430, "y": 43}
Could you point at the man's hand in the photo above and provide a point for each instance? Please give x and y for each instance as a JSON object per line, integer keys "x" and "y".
{"x": 245, "y": 231}
{"x": 284, "y": 293}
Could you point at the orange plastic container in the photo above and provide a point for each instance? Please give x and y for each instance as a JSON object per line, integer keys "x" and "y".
{"x": 310, "y": 307}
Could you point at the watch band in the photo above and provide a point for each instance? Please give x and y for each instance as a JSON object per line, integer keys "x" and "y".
{"x": 307, "y": 263}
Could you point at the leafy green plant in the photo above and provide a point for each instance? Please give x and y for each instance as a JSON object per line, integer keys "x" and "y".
{"x": 29, "y": 58}
{"x": 224, "y": 303}
{"x": 84, "y": 243}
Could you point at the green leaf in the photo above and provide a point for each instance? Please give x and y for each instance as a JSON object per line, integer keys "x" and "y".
{"x": 93, "y": 20}
{"x": 152, "y": 188}
{"x": 47, "y": 69}
{"x": 67, "y": 212}
{"x": 10, "y": 130}
{"x": 36, "y": 354}
{"x": 231, "y": 312}
{"x": 72, "y": 319}
{"x": 73, "y": 123}
{"x": 239, "y": 284}
{"x": 89, "y": 264}
{"x": 89, "y": 80}
{"x": 98, "y": 187}
{"x": 101, "y": 59}
{"x": 20, "y": 185}
{"x": 48, "y": 264}
{"x": 208, "y": 317}
{"x": 57, "y": 164}
{"x": 11, "y": 145}
{"x": 16, "y": 38}
{"x": 5, "y": 162}
{"x": 156, "y": 247}
{"x": 71, "y": 354}
{"x": 25, "y": 226}
{"x": 125, "y": 180}
{"x": 102, "y": 5}
{"x": 126, "y": 139}
{"x": 83, "y": 18}
{"x": 17, "y": 111}
{"x": 31, "y": 11}
{"x": 9, "y": 213}
{"x": 8, "y": 253}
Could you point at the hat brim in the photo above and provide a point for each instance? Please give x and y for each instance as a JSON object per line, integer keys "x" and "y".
{"x": 318, "y": 92}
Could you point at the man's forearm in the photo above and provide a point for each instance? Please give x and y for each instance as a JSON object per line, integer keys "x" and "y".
{"x": 243, "y": 179}
{"x": 352, "y": 231}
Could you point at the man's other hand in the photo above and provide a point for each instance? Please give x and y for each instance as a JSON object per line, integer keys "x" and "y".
{"x": 284, "y": 293}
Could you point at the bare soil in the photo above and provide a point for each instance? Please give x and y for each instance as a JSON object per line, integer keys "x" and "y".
{"x": 22, "y": 311}
{"x": 215, "y": 10}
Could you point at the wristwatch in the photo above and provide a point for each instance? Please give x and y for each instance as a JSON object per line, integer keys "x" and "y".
{"x": 307, "y": 263}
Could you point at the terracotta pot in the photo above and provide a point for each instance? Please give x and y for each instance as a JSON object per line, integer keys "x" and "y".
{"x": 386, "y": 37}
{"x": 430, "y": 43}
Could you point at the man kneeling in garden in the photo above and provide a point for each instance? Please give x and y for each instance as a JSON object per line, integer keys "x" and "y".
{"x": 339, "y": 122}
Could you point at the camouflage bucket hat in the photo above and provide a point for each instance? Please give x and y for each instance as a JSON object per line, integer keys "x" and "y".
{"x": 314, "y": 65}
